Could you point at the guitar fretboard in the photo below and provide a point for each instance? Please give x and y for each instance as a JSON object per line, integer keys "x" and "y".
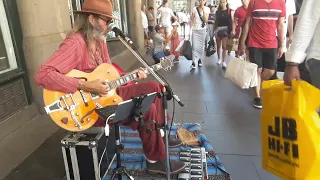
{"x": 123, "y": 80}
{"x": 130, "y": 77}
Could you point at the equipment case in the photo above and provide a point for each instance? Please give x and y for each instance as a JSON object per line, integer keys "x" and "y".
{"x": 82, "y": 153}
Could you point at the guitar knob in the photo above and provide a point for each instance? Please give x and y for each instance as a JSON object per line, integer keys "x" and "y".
{"x": 115, "y": 100}
{"x": 89, "y": 119}
{"x": 108, "y": 71}
{"x": 77, "y": 114}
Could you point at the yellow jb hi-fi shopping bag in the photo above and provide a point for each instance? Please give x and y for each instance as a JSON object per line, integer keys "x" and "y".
{"x": 290, "y": 127}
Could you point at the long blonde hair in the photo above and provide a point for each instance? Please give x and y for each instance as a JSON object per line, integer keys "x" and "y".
{"x": 83, "y": 26}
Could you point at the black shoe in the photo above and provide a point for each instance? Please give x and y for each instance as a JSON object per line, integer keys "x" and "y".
{"x": 173, "y": 142}
{"x": 200, "y": 63}
{"x": 160, "y": 167}
{"x": 257, "y": 103}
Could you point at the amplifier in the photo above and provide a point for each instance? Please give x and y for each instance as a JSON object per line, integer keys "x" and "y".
{"x": 196, "y": 160}
{"x": 82, "y": 153}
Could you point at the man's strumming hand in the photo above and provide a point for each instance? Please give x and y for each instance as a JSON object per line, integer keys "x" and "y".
{"x": 98, "y": 87}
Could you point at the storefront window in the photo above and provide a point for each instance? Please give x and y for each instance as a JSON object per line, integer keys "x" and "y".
{"x": 7, "y": 56}
{"x": 119, "y": 11}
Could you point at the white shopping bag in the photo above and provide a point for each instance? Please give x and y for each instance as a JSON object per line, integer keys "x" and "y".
{"x": 242, "y": 73}
{"x": 180, "y": 47}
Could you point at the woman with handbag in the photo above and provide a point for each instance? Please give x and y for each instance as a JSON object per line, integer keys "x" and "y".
{"x": 199, "y": 19}
{"x": 223, "y": 27}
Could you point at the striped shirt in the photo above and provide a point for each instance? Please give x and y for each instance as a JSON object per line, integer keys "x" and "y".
{"x": 265, "y": 22}
{"x": 73, "y": 53}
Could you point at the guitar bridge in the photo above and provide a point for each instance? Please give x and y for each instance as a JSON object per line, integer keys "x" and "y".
{"x": 71, "y": 108}
{"x": 57, "y": 106}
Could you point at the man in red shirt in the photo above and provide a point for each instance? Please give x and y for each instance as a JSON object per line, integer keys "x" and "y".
{"x": 84, "y": 49}
{"x": 239, "y": 17}
{"x": 264, "y": 17}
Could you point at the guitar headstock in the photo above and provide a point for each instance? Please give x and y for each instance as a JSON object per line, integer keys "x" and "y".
{"x": 167, "y": 62}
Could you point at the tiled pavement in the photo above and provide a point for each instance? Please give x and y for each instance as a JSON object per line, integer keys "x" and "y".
{"x": 224, "y": 111}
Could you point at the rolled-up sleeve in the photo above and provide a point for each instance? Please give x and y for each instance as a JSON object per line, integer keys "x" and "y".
{"x": 51, "y": 74}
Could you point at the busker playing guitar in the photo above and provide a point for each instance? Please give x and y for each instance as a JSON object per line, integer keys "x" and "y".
{"x": 84, "y": 49}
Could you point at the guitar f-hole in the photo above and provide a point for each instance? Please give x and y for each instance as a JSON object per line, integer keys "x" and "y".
{"x": 81, "y": 78}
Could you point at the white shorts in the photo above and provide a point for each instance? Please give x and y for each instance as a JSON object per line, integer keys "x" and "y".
{"x": 167, "y": 28}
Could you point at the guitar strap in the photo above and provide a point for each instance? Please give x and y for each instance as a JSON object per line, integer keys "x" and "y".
{"x": 200, "y": 15}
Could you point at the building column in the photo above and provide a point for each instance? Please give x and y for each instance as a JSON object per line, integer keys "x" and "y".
{"x": 152, "y": 3}
{"x": 171, "y": 5}
{"x": 135, "y": 24}
{"x": 42, "y": 34}
{"x": 144, "y": 2}
{"x": 191, "y": 5}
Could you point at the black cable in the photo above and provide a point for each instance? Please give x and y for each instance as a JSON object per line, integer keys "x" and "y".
{"x": 173, "y": 112}
{"x": 216, "y": 164}
{"x": 124, "y": 140}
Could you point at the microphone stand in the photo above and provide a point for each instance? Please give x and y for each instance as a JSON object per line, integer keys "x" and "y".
{"x": 164, "y": 92}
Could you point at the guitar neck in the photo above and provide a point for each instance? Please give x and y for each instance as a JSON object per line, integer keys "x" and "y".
{"x": 131, "y": 77}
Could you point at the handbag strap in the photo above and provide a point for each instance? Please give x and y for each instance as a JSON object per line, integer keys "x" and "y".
{"x": 245, "y": 57}
{"x": 200, "y": 15}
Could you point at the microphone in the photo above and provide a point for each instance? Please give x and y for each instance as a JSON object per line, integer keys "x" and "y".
{"x": 118, "y": 32}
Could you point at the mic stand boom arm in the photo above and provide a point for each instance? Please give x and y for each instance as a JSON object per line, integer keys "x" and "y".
{"x": 163, "y": 95}
{"x": 133, "y": 51}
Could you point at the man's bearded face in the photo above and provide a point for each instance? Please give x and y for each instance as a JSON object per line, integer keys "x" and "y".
{"x": 99, "y": 32}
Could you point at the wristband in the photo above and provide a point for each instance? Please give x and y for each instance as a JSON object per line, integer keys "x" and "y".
{"x": 292, "y": 64}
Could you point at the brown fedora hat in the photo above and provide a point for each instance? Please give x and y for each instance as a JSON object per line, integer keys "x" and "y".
{"x": 98, "y": 7}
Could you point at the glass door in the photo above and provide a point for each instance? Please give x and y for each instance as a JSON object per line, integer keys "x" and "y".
{"x": 8, "y": 60}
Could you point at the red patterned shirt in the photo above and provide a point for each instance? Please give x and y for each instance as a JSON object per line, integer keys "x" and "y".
{"x": 73, "y": 53}
{"x": 264, "y": 22}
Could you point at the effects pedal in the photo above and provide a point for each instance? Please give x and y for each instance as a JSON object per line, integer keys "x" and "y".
{"x": 196, "y": 168}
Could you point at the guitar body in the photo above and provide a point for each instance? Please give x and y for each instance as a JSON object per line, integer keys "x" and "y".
{"x": 58, "y": 103}
{"x": 76, "y": 112}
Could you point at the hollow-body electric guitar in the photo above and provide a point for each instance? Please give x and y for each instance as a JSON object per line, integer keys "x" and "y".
{"x": 76, "y": 112}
